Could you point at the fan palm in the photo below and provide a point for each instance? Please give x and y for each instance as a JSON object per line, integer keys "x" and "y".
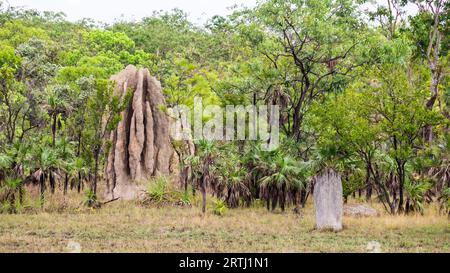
{"x": 229, "y": 182}
{"x": 9, "y": 187}
{"x": 66, "y": 160}
{"x": 415, "y": 191}
{"x": 46, "y": 160}
{"x": 282, "y": 175}
{"x": 11, "y": 177}
{"x": 11, "y": 191}
{"x": 200, "y": 167}
{"x": 5, "y": 165}
{"x": 57, "y": 104}
{"x": 440, "y": 173}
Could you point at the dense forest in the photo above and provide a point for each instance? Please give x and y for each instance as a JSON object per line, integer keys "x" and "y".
{"x": 363, "y": 92}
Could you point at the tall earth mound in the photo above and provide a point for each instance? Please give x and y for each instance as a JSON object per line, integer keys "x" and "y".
{"x": 328, "y": 201}
{"x": 141, "y": 146}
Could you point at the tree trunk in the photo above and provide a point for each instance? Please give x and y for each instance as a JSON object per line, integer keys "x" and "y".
{"x": 401, "y": 177}
{"x": 54, "y": 130}
{"x": 42, "y": 188}
{"x": 382, "y": 189}
{"x": 21, "y": 192}
{"x": 184, "y": 179}
{"x": 369, "y": 191}
{"x": 274, "y": 198}
{"x": 52, "y": 182}
{"x": 298, "y": 203}
{"x": 203, "y": 189}
{"x": 204, "y": 182}
{"x": 303, "y": 198}
{"x": 66, "y": 184}
{"x": 408, "y": 206}
{"x": 78, "y": 155}
{"x": 368, "y": 185}
{"x": 79, "y": 182}
{"x": 433, "y": 53}
{"x": 94, "y": 185}
{"x": 283, "y": 198}
{"x": 393, "y": 210}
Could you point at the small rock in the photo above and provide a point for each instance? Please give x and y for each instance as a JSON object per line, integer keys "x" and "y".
{"x": 360, "y": 211}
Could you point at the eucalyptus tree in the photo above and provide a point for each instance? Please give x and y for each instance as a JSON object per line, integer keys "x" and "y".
{"x": 380, "y": 119}
{"x": 12, "y": 94}
{"x": 309, "y": 48}
{"x": 430, "y": 30}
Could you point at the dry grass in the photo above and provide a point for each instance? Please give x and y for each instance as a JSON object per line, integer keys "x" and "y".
{"x": 126, "y": 227}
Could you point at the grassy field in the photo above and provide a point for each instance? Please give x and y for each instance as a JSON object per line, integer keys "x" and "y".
{"x": 125, "y": 227}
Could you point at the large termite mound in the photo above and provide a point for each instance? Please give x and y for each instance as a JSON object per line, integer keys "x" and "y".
{"x": 141, "y": 145}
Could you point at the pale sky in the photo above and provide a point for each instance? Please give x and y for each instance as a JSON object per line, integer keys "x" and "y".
{"x": 109, "y": 10}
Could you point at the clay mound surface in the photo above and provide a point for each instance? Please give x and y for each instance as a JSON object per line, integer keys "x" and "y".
{"x": 141, "y": 146}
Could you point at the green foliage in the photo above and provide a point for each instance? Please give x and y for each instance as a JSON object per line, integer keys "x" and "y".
{"x": 281, "y": 171}
{"x": 187, "y": 81}
{"x": 185, "y": 199}
{"x": 160, "y": 33}
{"x": 9, "y": 61}
{"x": 445, "y": 200}
{"x": 5, "y": 161}
{"x": 38, "y": 61}
{"x": 420, "y": 31}
{"x": 11, "y": 192}
{"x": 157, "y": 191}
{"x": 220, "y": 207}
{"x": 160, "y": 192}
{"x": 15, "y": 32}
{"x": 416, "y": 191}
{"x": 90, "y": 198}
{"x": 103, "y": 41}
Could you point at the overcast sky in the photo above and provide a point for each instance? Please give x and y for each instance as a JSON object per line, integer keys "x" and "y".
{"x": 109, "y": 10}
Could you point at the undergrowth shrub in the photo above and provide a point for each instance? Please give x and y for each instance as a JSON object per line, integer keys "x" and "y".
{"x": 160, "y": 192}
{"x": 11, "y": 195}
{"x": 220, "y": 207}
